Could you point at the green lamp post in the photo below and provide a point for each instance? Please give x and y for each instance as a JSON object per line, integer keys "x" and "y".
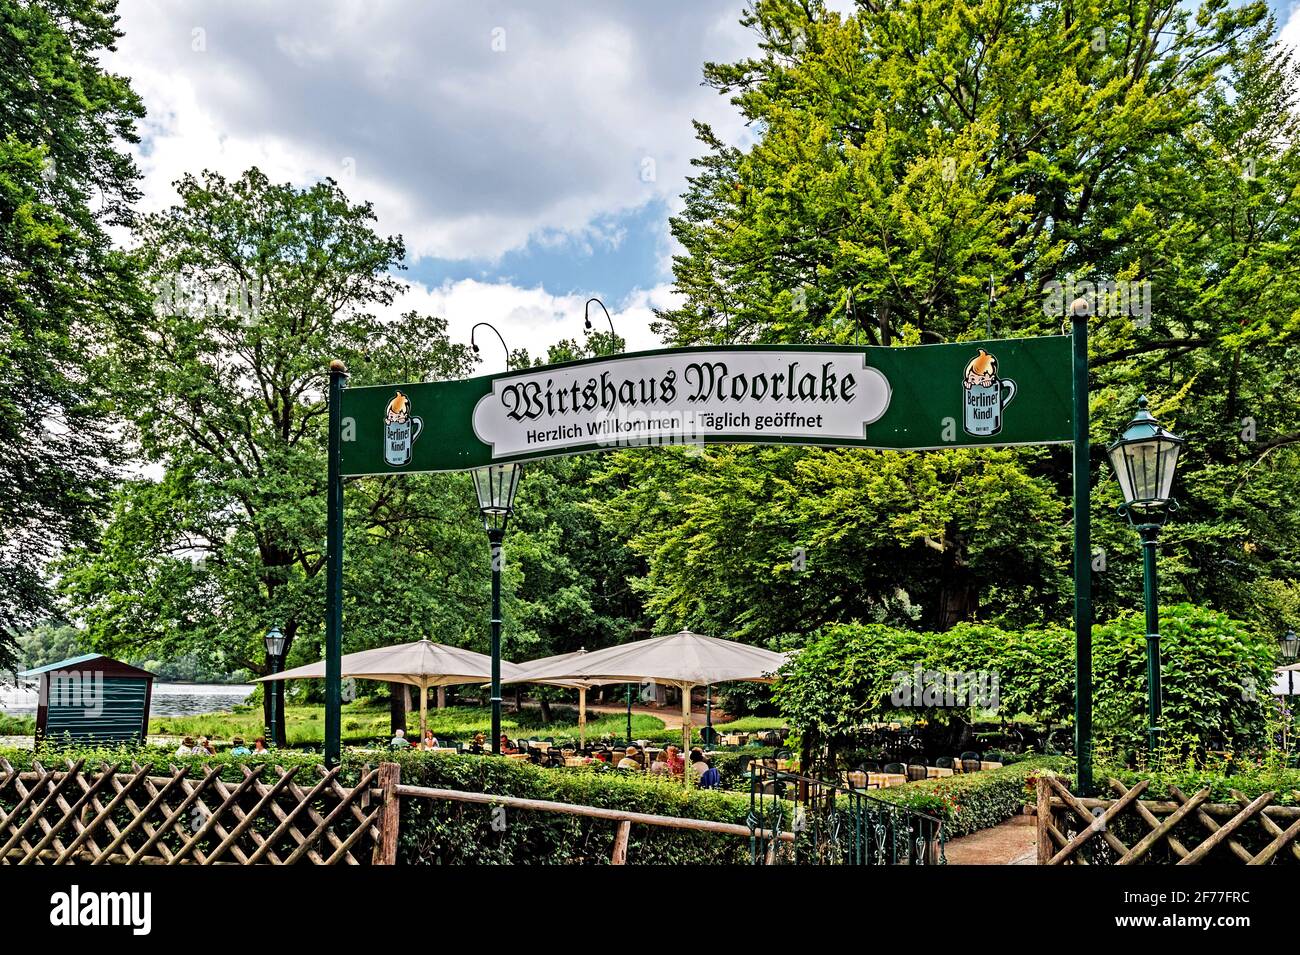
{"x": 1289, "y": 644}
{"x": 1145, "y": 458}
{"x": 274, "y": 641}
{"x": 496, "y": 486}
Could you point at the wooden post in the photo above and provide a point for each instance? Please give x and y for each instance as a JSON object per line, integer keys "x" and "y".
{"x": 424, "y": 713}
{"x": 390, "y": 776}
{"x": 621, "y": 835}
{"x": 582, "y": 716}
{"x": 1044, "y": 821}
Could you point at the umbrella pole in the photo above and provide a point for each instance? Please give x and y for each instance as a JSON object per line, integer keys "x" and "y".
{"x": 582, "y": 716}
{"x": 424, "y": 710}
{"x": 686, "y": 735}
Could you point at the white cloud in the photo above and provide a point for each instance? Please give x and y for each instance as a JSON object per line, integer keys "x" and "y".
{"x": 1289, "y": 35}
{"x": 472, "y": 127}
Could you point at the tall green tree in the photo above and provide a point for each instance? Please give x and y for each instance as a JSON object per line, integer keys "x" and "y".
{"x": 64, "y": 181}
{"x": 258, "y": 286}
{"x": 927, "y": 171}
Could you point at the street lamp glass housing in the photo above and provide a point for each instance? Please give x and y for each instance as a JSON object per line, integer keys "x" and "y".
{"x": 274, "y": 642}
{"x": 496, "y": 486}
{"x": 1290, "y": 645}
{"x": 1145, "y": 457}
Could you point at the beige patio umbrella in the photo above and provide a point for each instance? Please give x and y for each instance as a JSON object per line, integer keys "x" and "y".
{"x": 422, "y": 664}
{"x": 582, "y": 686}
{"x": 685, "y": 660}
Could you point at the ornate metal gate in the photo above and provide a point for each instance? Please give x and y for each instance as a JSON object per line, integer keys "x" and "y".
{"x": 833, "y": 824}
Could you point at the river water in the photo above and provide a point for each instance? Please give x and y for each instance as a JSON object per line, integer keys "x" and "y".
{"x": 169, "y": 699}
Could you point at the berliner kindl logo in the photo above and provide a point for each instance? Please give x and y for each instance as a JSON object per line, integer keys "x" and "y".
{"x": 986, "y": 395}
{"x": 401, "y": 429}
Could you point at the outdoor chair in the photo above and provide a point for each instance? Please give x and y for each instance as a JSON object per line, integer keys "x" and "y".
{"x": 993, "y": 756}
{"x": 970, "y": 754}
{"x": 869, "y": 766}
{"x": 944, "y": 762}
{"x": 970, "y": 765}
{"x": 916, "y": 773}
{"x": 895, "y": 769}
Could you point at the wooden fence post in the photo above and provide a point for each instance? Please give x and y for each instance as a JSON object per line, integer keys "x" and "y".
{"x": 1044, "y": 820}
{"x": 621, "y": 835}
{"x": 390, "y": 775}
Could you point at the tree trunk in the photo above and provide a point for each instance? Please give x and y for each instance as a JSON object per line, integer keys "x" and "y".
{"x": 546, "y": 709}
{"x": 442, "y": 698}
{"x": 399, "y": 704}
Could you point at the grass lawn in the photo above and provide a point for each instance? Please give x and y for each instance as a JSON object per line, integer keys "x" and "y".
{"x": 748, "y": 724}
{"x": 365, "y": 722}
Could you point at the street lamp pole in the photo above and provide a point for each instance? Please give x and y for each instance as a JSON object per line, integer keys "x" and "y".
{"x": 1149, "y": 533}
{"x": 495, "y": 536}
{"x": 1289, "y": 644}
{"x": 496, "y": 486}
{"x": 274, "y": 641}
{"x": 1145, "y": 458}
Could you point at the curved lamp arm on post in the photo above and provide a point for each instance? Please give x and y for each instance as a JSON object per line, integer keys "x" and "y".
{"x": 475, "y": 347}
{"x": 586, "y": 321}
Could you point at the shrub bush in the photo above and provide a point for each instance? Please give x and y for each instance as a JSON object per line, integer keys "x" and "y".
{"x": 969, "y": 803}
{"x": 1211, "y": 663}
{"x": 441, "y": 832}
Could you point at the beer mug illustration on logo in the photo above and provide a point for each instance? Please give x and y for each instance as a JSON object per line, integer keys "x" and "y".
{"x": 986, "y": 395}
{"x": 400, "y": 431}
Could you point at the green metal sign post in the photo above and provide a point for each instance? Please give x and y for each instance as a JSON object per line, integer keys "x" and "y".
{"x": 1082, "y": 558}
{"x": 998, "y": 392}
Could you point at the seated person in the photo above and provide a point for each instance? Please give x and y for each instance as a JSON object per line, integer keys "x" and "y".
{"x": 507, "y": 748}
{"x": 631, "y": 759}
{"x": 430, "y": 741}
{"x": 188, "y": 748}
{"x": 676, "y": 764}
{"x": 710, "y": 778}
{"x": 698, "y": 764}
{"x": 259, "y": 745}
{"x": 660, "y": 765}
{"x": 238, "y": 748}
{"x": 399, "y": 740}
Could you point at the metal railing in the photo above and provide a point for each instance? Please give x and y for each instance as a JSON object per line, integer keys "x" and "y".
{"x": 798, "y": 820}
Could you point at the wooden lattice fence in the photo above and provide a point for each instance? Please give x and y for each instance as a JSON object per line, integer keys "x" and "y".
{"x": 76, "y": 815}
{"x": 1185, "y": 830}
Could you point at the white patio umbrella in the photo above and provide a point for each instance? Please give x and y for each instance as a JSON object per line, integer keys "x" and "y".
{"x": 582, "y": 686}
{"x": 685, "y": 660}
{"x": 422, "y": 664}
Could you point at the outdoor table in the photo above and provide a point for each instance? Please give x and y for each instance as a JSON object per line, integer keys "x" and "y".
{"x": 937, "y": 772}
{"x": 986, "y": 764}
{"x": 885, "y": 780}
{"x": 516, "y": 755}
{"x": 575, "y": 761}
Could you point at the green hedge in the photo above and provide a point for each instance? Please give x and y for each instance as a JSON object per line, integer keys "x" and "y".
{"x": 970, "y": 802}
{"x": 442, "y": 832}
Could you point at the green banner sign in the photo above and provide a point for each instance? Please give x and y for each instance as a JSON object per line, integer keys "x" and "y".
{"x": 1014, "y": 391}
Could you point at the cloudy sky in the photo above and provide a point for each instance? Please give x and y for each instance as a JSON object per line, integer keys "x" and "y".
{"x": 529, "y": 152}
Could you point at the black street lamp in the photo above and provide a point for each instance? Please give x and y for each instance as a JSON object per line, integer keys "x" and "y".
{"x": 496, "y": 486}
{"x": 1145, "y": 458}
{"x": 1289, "y": 644}
{"x": 274, "y": 641}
